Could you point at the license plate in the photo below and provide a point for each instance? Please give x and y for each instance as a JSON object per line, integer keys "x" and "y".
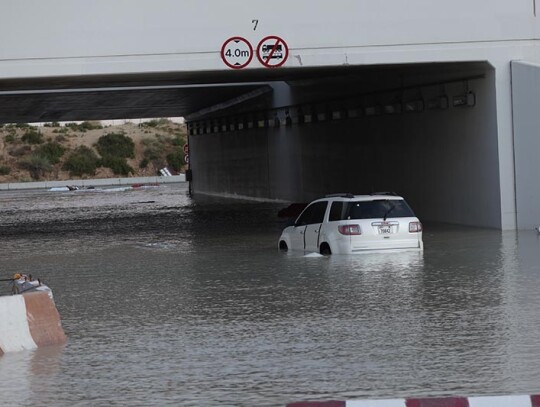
{"x": 385, "y": 230}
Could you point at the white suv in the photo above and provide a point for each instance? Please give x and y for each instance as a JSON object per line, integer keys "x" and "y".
{"x": 346, "y": 223}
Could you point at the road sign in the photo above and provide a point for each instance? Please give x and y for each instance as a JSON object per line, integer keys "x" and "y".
{"x": 272, "y": 51}
{"x": 236, "y": 52}
{"x": 186, "y": 148}
{"x": 186, "y": 158}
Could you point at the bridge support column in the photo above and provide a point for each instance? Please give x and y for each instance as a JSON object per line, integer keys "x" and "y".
{"x": 262, "y": 160}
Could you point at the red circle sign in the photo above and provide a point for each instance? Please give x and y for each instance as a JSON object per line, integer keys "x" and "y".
{"x": 237, "y": 52}
{"x": 272, "y": 51}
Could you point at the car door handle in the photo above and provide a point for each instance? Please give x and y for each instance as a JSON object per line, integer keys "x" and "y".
{"x": 316, "y": 231}
{"x": 302, "y": 232}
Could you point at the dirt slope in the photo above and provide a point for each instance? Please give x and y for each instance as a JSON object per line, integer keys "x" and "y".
{"x": 162, "y": 135}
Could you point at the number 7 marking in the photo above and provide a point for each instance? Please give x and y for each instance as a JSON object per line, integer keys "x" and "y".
{"x": 256, "y": 23}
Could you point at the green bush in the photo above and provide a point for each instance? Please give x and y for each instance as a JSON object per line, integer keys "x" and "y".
{"x": 82, "y": 161}
{"x": 116, "y": 145}
{"x": 52, "y": 151}
{"x": 10, "y": 138}
{"x": 37, "y": 165}
{"x": 144, "y": 163}
{"x": 156, "y": 123}
{"x": 176, "y": 160}
{"x": 73, "y": 126}
{"x": 32, "y": 136}
{"x": 4, "y": 170}
{"x": 179, "y": 140}
{"x": 62, "y": 130}
{"x": 154, "y": 152}
{"x": 84, "y": 126}
{"x": 151, "y": 123}
{"x": 90, "y": 126}
{"x": 118, "y": 165}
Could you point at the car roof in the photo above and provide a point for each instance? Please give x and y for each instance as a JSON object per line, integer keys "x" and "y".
{"x": 350, "y": 197}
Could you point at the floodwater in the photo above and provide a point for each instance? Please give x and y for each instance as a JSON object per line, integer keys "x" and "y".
{"x": 169, "y": 301}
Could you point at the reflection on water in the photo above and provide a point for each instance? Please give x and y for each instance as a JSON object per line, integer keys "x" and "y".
{"x": 173, "y": 301}
{"x": 23, "y": 371}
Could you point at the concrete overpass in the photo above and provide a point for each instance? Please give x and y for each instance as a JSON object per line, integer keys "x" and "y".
{"x": 437, "y": 101}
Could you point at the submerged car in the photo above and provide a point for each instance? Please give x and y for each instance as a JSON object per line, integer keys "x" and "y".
{"x": 346, "y": 223}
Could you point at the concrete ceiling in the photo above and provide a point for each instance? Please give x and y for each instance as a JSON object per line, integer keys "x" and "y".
{"x": 179, "y": 94}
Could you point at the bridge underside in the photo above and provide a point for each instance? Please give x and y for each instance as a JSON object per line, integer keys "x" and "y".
{"x": 171, "y": 94}
{"x": 427, "y": 131}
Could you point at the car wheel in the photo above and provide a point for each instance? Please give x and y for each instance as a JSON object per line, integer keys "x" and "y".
{"x": 283, "y": 246}
{"x": 325, "y": 250}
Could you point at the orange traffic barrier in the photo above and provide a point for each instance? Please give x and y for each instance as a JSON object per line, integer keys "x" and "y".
{"x": 43, "y": 319}
{"x": 29, "y": 321}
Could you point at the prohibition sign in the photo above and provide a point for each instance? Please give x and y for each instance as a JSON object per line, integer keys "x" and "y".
{"x": 272, "y": 51}
{"x": 236, "y": 52}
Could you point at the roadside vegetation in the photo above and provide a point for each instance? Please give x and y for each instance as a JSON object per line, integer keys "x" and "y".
{"x": 115, "y": 149}
{"x": 81, "y": 161}
{"x": 57, "y": 151}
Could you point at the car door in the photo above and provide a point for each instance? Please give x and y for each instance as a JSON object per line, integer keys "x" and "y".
{"x": 312, "y": 232}
{"x": 298, "y": 230}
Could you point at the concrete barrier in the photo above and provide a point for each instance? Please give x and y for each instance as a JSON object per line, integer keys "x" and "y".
{"x": 93, "y": 182}
{"x": 43, "y": 319}
{"x": 29, "y": 321}
{"x": 485, "y": 401}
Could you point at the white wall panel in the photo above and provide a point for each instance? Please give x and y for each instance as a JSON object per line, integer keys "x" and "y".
{"x": 188, "y": 34}
{"x": 526, "y": 111}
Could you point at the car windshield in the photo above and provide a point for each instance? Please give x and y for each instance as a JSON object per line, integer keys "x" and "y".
{"x": 380, "y": 208}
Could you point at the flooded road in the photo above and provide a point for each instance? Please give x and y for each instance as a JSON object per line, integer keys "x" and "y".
{"x": 169, "y": 301}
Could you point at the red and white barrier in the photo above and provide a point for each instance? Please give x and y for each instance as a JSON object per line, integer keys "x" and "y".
{"x": 490, "y": 401}
{"x": 29, "y": 321}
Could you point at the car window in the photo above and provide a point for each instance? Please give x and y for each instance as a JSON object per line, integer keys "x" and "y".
{"x": 318, "y": 212}
{"x": 336, "y": 211}
{"x": 380, "y": 208}
{"x": 305, "y": 216}
{"x": 314, "y": 213}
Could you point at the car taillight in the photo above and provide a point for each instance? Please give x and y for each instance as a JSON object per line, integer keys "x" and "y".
{"x": 349, "y": 229}
{"x": 415, "y": 227}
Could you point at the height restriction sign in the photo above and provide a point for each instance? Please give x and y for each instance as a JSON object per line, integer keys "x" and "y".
{"x": 236, "y": 52}
{"x": 272, "y": 51}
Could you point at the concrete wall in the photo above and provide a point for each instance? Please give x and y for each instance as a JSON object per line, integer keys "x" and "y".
{"x": 231, "y": 163}
{"x": 525, "y": 91}
{"x": 444, "y": 161}
{"x": 81, "y": 37}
